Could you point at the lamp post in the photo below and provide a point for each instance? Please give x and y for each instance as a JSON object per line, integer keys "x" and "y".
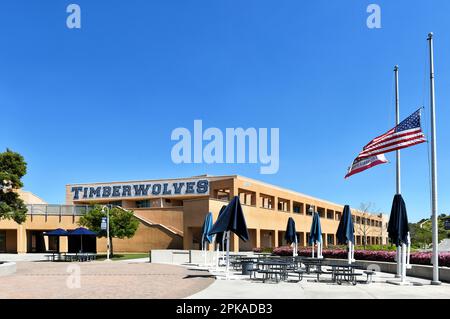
{"x": 108, "y": 248}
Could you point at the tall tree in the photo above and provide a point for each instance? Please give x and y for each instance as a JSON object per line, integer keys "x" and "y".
{"x": 364, "y": 228}
{"x": 122, "y": 223}
{"x": 12, "y": 168}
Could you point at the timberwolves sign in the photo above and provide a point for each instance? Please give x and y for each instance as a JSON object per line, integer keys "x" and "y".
{"x": 130, "y": 190}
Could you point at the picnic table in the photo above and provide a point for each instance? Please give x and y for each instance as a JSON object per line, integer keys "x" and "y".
{"x": 344, "y": 273}
{"x": 54, "y": 256}
{"x": 275, "y": 268}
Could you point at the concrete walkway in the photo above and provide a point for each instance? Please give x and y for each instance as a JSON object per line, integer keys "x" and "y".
{"x": 240, "y": 287}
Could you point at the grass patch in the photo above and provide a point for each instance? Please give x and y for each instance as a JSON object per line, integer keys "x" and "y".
{"x": 124, "y": 256}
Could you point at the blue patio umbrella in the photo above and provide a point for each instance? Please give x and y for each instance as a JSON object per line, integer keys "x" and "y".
{"x": 57, "y": 233}
{"x": 206, "y": 228}
{"x": 398, "y": 227}
{"x": 315, "y": 235}
{"x": 231, "y": 220}
{"x": 81, "y": 231}
{"x": 291, "y": 235}
{"x": 346, "y": 232}
{"x": 398, "y": 231}
{"x": 219, "y": 236}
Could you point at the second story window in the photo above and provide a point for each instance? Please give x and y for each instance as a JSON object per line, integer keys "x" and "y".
{"x": 143, "y": 204}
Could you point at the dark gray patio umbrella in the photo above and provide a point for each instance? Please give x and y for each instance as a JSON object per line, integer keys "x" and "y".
{"x": 315, "y": 235}
{"x": 346, "y": 232}
{"x": 291, "y": 235}
{"x": 81, "y": 231}
{"x": 231, "y": 220}
{"x": 398, "y": 231}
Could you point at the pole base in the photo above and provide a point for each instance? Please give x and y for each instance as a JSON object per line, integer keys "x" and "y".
{"x": 436, "y": 283}
{"x": 399, "y": 283}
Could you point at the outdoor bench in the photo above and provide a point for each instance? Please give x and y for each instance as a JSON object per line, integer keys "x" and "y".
{"x": 341, "y": 276}
{"x": 300, "y": 273}
{"x": 369, "y": 274}
{"x": 268, "y": 274}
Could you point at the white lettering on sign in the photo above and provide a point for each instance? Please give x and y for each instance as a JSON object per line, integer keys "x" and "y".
{"x": 157, "y": 188}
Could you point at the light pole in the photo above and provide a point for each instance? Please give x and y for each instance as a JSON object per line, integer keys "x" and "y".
{"x": 108, "y": 247}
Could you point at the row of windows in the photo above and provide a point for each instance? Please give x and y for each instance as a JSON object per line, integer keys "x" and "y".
{"x": 284, "y": 205}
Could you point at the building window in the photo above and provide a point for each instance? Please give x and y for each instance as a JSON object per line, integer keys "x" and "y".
{"x": 247, "y": 197}
{"x": 222, "y": 194}
{"x": 267, "y": 201}
{"x": 53, "y": 243}
{"x": 338, "y": 215}
{"x": 321, "y": 212}
{"x": 298, "y": 208}
{"x": 308, "y": 209}
{"x": 115, "y": 203}
{"x": 330, "y": 239}
{"x": 283, "y": 205}
{"x": 143, "y": 203}
{"x": 2, "y": 241}
{"x": 330, "y": 214}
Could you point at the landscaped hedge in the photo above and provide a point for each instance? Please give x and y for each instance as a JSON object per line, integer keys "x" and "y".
{"x": 421, "y": 258}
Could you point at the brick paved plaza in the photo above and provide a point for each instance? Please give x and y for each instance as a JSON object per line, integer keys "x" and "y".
{"x": 102, "y": 280}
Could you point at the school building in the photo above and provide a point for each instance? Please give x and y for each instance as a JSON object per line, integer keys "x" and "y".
{"x": 171, "y": 213}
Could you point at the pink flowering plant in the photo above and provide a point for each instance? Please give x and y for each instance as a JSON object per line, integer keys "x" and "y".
{"x": 420, "y": 258}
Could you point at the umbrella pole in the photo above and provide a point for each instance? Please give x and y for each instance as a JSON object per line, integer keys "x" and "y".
{"x": 399, "y": 257}
{"x": 353, "y": 252}
{"x": 408, "y": 254}
{"x": 403, "y": 263}
{"x": 228, "y": 252}
{"x": 349, "y": 252}
{"x": 217, "y": 255}
{"x": 313, "y": 250}
{"x": 206, "y": 250}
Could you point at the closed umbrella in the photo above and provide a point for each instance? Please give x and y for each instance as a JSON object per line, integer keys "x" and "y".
{"x": 291, "y": 235}
{"x": 206, "y": 236}
{"x": 231, "y": 220}
{"x": 315, "y": 235}
{"x": 398, "y": 230}
{"x": 346, "y": 232}
{"x": 81, "y": 231}
{"x": 219, "y": 239}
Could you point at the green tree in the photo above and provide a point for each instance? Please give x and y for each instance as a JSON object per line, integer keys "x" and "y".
{"x": 122, "y": 223}
{"x": 12, "y": 168}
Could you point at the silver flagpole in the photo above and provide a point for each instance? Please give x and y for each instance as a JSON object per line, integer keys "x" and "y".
{"x": 434, "y": 190}
{"x": 397, "y": 122}
{"x": 398, "y": 166}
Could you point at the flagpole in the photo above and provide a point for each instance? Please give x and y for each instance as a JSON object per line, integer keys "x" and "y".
{"x": 398, "y": 167}
{"x": 397, "y": 122}
{"x": 434, "y": 191}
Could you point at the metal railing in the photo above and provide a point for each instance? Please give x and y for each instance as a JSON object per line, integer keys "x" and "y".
{"x": 57, "y": 210}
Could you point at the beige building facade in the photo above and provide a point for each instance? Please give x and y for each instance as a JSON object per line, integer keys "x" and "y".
{"x": 171, "y": 213}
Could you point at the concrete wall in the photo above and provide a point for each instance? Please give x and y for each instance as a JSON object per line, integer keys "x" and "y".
{"x": 419, "y": 271}
{"x": 147, "y": 237}
{"x": 179, "y": 257}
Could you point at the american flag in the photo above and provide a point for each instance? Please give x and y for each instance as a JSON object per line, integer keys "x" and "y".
{"x": 360, "y": 165}
{"x": 406, "y": 134}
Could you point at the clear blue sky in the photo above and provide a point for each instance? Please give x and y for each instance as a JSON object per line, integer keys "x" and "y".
{"x": 100, "y": 103}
